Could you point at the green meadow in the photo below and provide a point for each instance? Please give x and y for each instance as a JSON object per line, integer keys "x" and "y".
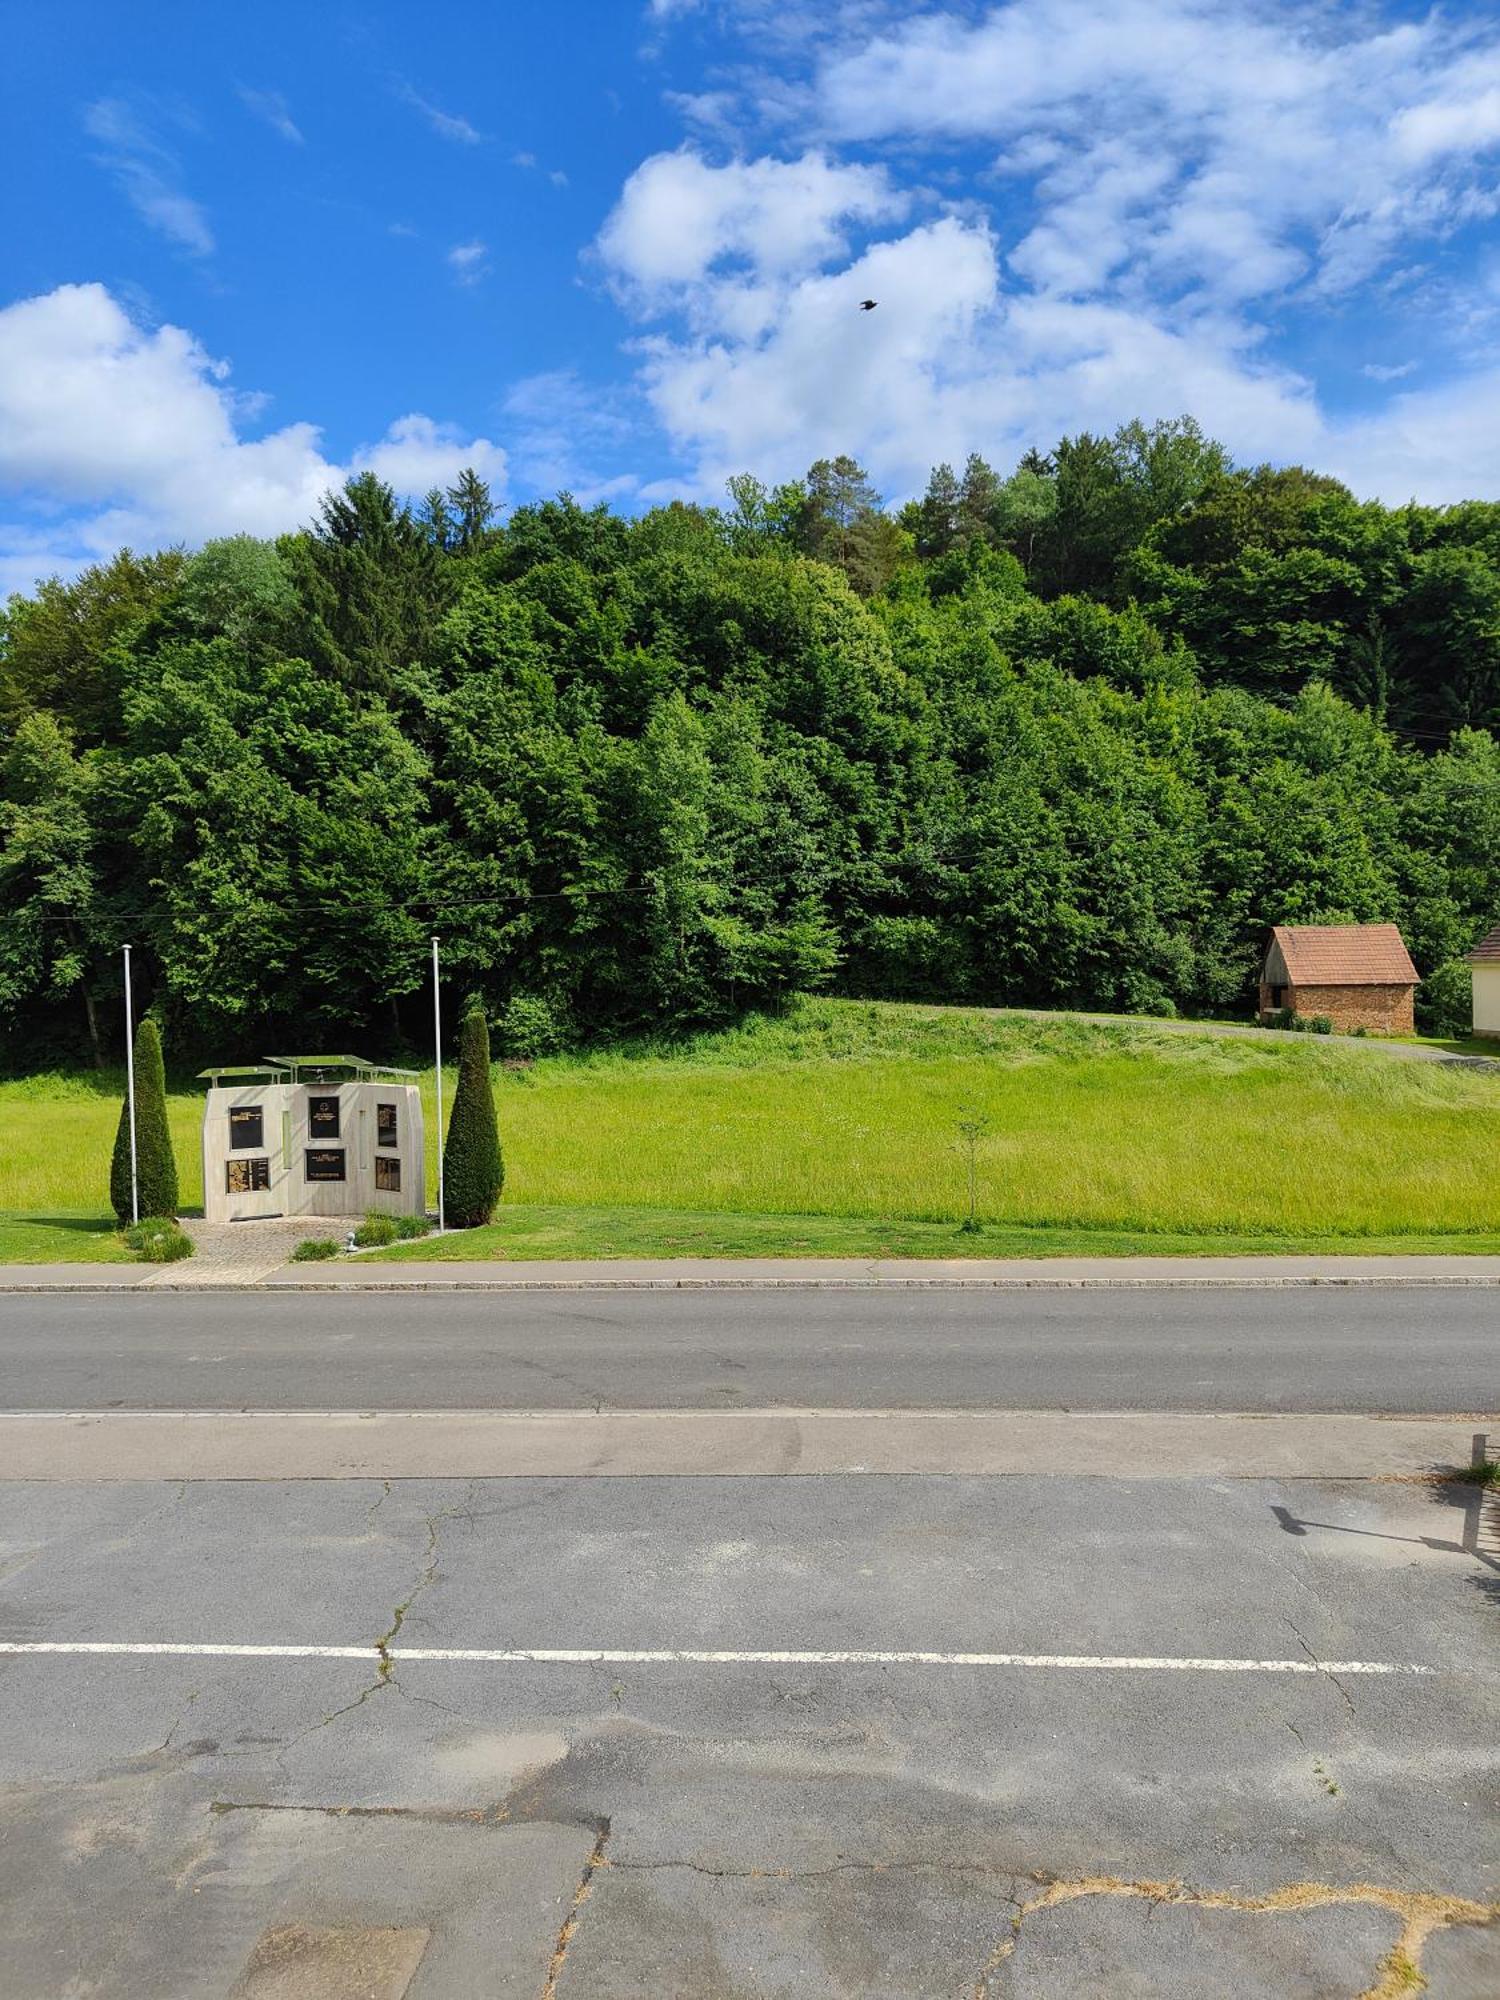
{"x": 833, "y": 1128}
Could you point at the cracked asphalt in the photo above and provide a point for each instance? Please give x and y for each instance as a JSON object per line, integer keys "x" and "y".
{"x": 294, "y": 1827}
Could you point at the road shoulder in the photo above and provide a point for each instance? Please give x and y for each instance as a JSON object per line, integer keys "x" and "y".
{"x": 170, "y": 1445}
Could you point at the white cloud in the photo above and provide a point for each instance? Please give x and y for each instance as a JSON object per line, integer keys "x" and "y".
{"x": 1153, "y": 191}
{"x": 273, "y": 108}
{"x": 768, "y": 361}
{"x": 1435, "y": 445}
{"x": 1195, "y": 146}
{"x": 466, "y": 260}
{"x": 1387, "y": 371}
{"x": 111, "y": 432}
{"x": 417, "y": 454}
{"x": 28, "y": 553}
{"x": 530, "y": 164}
{"x": 558, "y": 423}
{"x": 147, "y": 173}
{"x": 948, "y": 363}
{"x": 678, "y": 219}
{"x": 447, "y": 124}
{"x": 1462, "y": 115}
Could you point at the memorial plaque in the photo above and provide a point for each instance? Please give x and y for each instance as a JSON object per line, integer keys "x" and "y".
{"x": 246, "y": 1176}
{"x": 388, "y": 1175}
{"x": 246, "y": 1128}
{"x": 385, "y": 1125}
{"x": 324, "y": 1163}
{"x": 323, "y": 1118}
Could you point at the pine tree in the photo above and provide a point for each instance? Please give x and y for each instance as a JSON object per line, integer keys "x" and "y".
{"x": 473, "y": 509}
{"x": 374, "y": 586}
{"x": 156, "y": 1169}
{"x": 978, "y": 498}
{"x": 937, "y": 513}
{"x": 838, "y": 494}
{"x": 473, "y": 1169}
{"x": 436, "y": 519}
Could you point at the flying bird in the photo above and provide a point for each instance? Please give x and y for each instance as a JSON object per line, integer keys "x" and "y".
{"x": 868, "y": 305}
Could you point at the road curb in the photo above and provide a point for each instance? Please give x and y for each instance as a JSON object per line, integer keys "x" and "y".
{"x": 292, "y": 1287}
{"x": 856, "y": 1284}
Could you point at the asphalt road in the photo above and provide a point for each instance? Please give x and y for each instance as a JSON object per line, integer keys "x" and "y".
{"x": 1284, "y": 1350}
{"x": 733, "y": 1828}
{"x": 934, "y": 1734}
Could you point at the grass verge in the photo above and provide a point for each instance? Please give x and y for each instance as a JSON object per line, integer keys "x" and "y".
{"x": 832, "y": 1128}
{"x": 61, "y": 1239}
{"x": 523, "y": 1234}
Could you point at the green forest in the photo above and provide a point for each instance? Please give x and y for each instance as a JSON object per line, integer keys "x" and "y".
{"x": 1071, "y": 735}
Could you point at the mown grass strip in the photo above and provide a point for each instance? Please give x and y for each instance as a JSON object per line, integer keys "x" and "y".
{"x": 524, "y": 1234}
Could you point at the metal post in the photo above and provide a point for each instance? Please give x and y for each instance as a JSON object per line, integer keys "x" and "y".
{"x": 135, "y": 1185}
{"x": 437, "y": 1039}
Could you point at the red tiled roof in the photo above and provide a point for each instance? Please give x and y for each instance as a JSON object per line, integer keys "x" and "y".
{"x": 1345, "y": 955}
{"x": 1487, "y": 951}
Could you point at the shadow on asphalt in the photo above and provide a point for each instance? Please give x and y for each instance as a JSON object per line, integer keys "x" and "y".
{"x": 1479, "y": 1523}
{"x": 1473, "y": 1511}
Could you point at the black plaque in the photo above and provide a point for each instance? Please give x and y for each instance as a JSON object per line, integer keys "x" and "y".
{"x": 323, "y": 1163}
{"x": 385, "y": 1125}
{"x": 246, "y": 1176}
{"x": 387, "y": 1175}
{"x": 323, "y": 1118}
{"x": 247, "y": 1128}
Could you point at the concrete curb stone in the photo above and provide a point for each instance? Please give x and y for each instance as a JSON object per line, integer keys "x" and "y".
{"x": 281, "y": 1282}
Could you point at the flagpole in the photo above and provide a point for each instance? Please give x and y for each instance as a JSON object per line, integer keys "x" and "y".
{"x": 437, "y": 1040}
{"x": 135, "y": 1185}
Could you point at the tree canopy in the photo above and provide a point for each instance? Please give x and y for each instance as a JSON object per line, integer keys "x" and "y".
{"x": 1075, "y": 734}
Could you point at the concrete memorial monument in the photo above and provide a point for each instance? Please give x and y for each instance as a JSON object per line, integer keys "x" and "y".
{"x": 311, "y": 1135}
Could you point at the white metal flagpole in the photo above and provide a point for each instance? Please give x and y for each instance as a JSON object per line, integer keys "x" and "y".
{"x": 437, "y": 1038}
{"x": 135, "y": 1185}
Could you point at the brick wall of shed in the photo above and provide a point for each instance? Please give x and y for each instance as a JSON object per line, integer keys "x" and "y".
{"x": 1384, "y": 1010}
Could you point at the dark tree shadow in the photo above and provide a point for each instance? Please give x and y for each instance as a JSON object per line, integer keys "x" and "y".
{"x": 85, "y": 1225}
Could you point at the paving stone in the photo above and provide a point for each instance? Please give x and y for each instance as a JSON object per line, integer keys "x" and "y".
{"x": 244, "y": 1252}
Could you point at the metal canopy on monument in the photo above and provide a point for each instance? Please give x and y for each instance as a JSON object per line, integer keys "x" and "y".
{"x": 306, "y": 1069}
{"x": 361, "y": 1070}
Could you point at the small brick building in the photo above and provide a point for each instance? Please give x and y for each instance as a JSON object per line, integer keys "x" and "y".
{"x": 1359, "y": 975}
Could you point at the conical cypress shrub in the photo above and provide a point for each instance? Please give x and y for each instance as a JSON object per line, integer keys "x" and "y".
{"x": 473, "y": 1170}
{"x": 156, "y": 1169}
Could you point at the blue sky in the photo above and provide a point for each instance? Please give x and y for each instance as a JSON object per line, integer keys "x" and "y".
{"x": 620, "y": 247}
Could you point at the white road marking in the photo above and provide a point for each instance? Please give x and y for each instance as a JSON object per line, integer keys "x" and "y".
{"x": 569, "y": 1656}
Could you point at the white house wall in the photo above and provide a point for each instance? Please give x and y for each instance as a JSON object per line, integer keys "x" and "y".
{"x": 1486, "y": 999}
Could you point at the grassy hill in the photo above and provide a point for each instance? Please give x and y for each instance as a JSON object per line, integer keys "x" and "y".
{"x": 834, "y": 1128}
